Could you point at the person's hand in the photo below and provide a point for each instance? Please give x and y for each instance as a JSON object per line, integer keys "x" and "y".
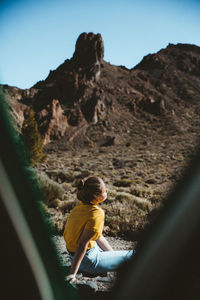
{"x": 71, "y": 278}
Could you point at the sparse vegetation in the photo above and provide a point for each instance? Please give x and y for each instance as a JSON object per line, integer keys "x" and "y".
{"x": 138, "y": 179}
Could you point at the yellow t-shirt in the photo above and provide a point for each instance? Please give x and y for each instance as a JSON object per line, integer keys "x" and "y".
{"x": 83, "y": 216}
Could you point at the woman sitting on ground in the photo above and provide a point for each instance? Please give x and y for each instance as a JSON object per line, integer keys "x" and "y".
{"x": 89, "y": 251}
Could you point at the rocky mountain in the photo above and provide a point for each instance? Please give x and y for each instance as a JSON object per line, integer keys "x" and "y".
{"x": 87, "y": 101}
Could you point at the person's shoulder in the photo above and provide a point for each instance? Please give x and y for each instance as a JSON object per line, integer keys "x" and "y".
{"x": 97, "y": 211}
{"x": 77, "y": 208}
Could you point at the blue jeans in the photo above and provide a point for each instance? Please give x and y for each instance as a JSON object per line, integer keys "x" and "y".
{"x": 98, "y": 261}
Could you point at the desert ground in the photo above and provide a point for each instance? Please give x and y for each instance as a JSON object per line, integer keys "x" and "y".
{"x": 139, "y": 177}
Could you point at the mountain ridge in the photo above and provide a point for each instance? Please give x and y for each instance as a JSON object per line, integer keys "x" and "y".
{"x": 88, "y": 101}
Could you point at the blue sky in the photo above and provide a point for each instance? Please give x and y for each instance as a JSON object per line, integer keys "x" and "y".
{"x": 37, "y": 36}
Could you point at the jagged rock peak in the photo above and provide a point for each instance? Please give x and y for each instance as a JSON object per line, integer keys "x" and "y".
{"x": 84, "y": 66}
{"x": 89, "y": 49}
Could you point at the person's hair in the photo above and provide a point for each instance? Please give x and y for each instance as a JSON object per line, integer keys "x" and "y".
{"x": 89, "y": 189}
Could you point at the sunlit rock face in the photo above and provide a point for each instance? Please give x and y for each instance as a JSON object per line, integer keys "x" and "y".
{"x": 54, "y": 121}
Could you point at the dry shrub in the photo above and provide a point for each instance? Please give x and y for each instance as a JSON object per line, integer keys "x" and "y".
{"x": 51, "y": 189}
{"x": 138, "y": 180}
{"x": 112, "y": 194}
{"x": 124, "y": 197}
{"x": 66, "y": 176}
{"x": 125, "y": 213}
{"x": 67, "y": 186}
{"x": 123, "y": 189}
{"x": 56, "y": 203}
{"x": 67, "y": 205}
{"x": 123, "y": 220}
{"x": 59, "y": 221}
{"x": 124, "y": 182}
{"x": 60, "y": 175}
{"x": 142, "y": 191}
{"x": 127, "y": 199}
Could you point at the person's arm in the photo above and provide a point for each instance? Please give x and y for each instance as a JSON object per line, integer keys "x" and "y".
{"x": 80, "y": 252}
{"x": 103, "y": 244}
